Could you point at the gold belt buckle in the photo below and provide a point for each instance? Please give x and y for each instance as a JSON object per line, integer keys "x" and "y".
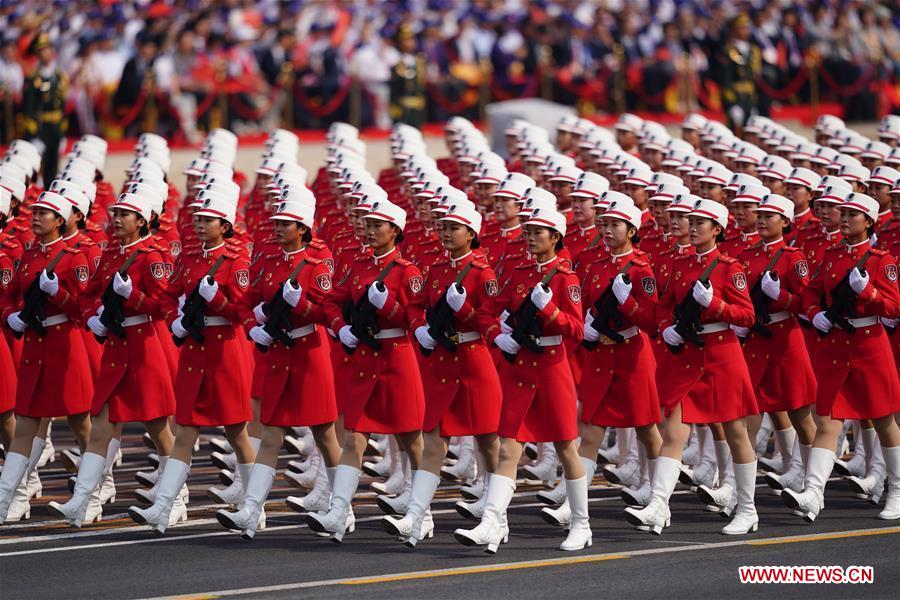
{"x": 606, "y": 340}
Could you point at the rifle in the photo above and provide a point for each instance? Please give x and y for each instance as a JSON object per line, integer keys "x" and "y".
{"x": 34, "y": 310}
{"x": 842, "y": 297}
{"x": 114, "y": 305}
{"x": 606, "y": 307}
{"x": 363, "y": 319}
{"x": 193, "y": 309}
{"x": 440, "y": 318}
{"x": 279, "y": 313}
{"x": 526, "y": 329}
{"x": 687, "y": 314}
{"x": 761, "y": 301}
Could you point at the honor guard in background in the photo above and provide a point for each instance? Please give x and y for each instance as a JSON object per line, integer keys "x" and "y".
{"x": 408, "y": 81}
{"x": 741, "y": 66}
{"x": 43, "y": 104}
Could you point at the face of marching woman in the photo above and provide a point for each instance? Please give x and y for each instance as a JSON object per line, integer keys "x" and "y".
{"x": 583, "y": 211}
{"x": 770, "y": 225}
{"x": 895, "y": 206}
{"x": 380, "y": 235}
{"x": 456, "y": 238}
{"x": 359, "y": 226}
{"x": 679, "y": 227}
{"x": 541, "y": 242}
{"x": 210, "y": 230}
{"x": 703, "y": 233}
{"x": 800, "y": 195}
{"x": 828, "y": 214}
{"x": 45, "y": 224}
{"x": 190, "y": 182}
{"x": 288, "y": 234}
{"x": 506, "y": 210}
{"x": 660, "y": 214}
{"x": 127, "y": 225}
{"x": 854, "y": 225}
{"x": 262, "y": 180}
{"x": 617, "y": 234}
{"x": 74, "y": 220}
{"x": 744, "y": 215}
{"x": 713, "y": 191}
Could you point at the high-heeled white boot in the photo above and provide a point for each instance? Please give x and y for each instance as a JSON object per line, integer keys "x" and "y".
{"x": 490, "y": 531}
{"x": 251, "y": 516}
{"x": 856, "y": 466}
{"x": 691, "y": 453}
{"x": 580, "y": 536}
{"x": 464, "y": 469}
{"x": 318, "y": 498}
{"x": 167, "y": 510}
{"x": 870, "y": 487}
{"x": 545, "y": 469}
{"x": 722, "y": 498}
{"x": 793, "y": 477}
{"x": 745, "y": 519}
{"x": 417, "y": 523}
{"x": 14, "y": 505}
{"x": 705, "y": 471}
{"x": 398, "y": 504}
{"x": 307, "y": 478}
{"x": 628, "y": 473}
{"x": 562, "y": 516}
{"x": 656, "y": 515}
{"x": 386, "y": 465}
{"x": 640, "y": 495}
{"x": 394, "y": 483}
{"x": 784, "y": 443}
{"x": 810, "y": 501}
{"x": 475, "y": 510}
{"x": 891, "y": 510}
{"x": 335, "y": 521}
{"x": 75, "y": 511}
{"x": 33, "y": 486}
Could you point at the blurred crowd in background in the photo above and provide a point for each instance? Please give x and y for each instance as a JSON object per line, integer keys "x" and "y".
{"x": 180, "y": 67}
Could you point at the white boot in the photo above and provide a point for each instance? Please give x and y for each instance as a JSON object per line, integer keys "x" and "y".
{"x": 48, "y": 455}
{"x": 20, "y": 507}
{"x": 33, "y": 486}
{"x": 721, "y": 498}
{"x": 14, "y": 504}
{"x": 745, "y": 519}
{"x": 580, "y": 536}
{"x": 386, "y": 465}
{"x": 90, "y": 472}
{"x": 399, "y": 504}
{"x": 167, "y": 506}
{"x": 149, "y": 496}
{"x": 473, "y": 490}
{"x": 705, "y": 471}
{"x": 251, "y": 516}
{"x": 611, "y": 455}
{"x": 545, "y": 469}
{"x": 417, "y": 523}
{"x": 891, "y": 510}
{"x": 317, "y": 500}
{"x": 640, "y": 496}
{"x": 224, "y": 461}
{"x": 811, "y": 499}
{"x": 489, "y": 532}
{"x": 34, "y": 489}
{"x": 793, "y": 477}
{"x": 761, "y": 444}
{"x": 475, "y": 510}
{"x": 234, "y": 493}
{"x": 149, "y": 479}
{"x": 870, "y": 487}
{"x": 691, "y": 453}
{"x": 562, "y": 516}
{"x": 302, "y": 443}
{"x": 306, "y": 479}
{"x": 106, "y": 492}
{"x": 218, "y": 444}
{"x": 554, "y": 497}
{"x": 655, "y": 516}
{"x": 784, "y": 444}
{"x": 394, "y": 484}
{"x": 627, "y": 474}
{"x": 346, "y": 479}
{"x": 464, "y": 469}
{"x": 856, "y": 466}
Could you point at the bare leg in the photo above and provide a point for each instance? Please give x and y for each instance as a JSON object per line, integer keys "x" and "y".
{"x": 7, "y": 428}
{"x": 327, "y": 442}
{"x": 240, "y": 441}
{"x": 489, "y": 446}
{"x": 413, "y": 444}
{"x": 737, "y": 435}
{"x": 434, "y": 451}
{"x": 510, "y": 453}
{"x": 81, "y": 428}
{"x": 567, "y": 452}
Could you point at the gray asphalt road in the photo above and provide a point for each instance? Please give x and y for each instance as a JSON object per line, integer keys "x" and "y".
{"x": 44, "y": 559}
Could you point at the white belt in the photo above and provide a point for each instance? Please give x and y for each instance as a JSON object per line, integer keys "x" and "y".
{"x": 780, "y": 316}
{"x": 630, "y": 332}
{"x": 215, "y": 321}
{"x": 714, "y": 327}
{"x": 386, "y": 334}
{"x": 135, "y": 320}
{"x": 55, "y": 320}
{"x": 301, "y": 331}
{"x": 467, "y": 336}
{"x": 864, "y": 321}
{"x": 549, "y": 340}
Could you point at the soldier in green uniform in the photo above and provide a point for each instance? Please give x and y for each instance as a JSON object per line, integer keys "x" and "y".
{"x": 43, "y": 105}
{"x": 408, "y": 81}
{"x": 742, "y": 65}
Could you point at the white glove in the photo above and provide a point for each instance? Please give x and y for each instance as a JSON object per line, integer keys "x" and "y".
{"x": 291, "y": 294}
{"x": 100, "y": 310}
{"x": 347, "y": 338}
{"x": 50, "y": 286}
{"x": 702, "y": 294}
{"x": 858, "y": 281}
{"x": 208, "y": 290}
{"x": 741, "y": 332}
{"x": 771, "y": 287}
{"x": 590, "y": 334}
{"x": 456, "y": 299}
{"x": 541, "y": 297}
{"x": 821, "y": 322}
{"x": 621, "y": 289}
{"x": 377, "y": 297}
{"x": 181, "y": 300}
{"x": 98, "y": 328}
{"x": 672, "y": 337}
{"x": 259, "y": 313}
{"x": 259, "y": 335}
{"x": 889, "y": 323}
{"x": 16, "y": 323}
{"x": 425, "y": 340}
{"x": 178, "y": 329}
{"x": 505, "y": 342}
{"x": 504, "y": 328}
{"x": 122, "y": 287}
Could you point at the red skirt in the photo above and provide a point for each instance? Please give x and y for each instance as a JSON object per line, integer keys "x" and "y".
{"x": 712, "y": 383}
{"x": 857, "y": 375}
{"x": 618, "y": 385}
{"x": 134, "y": 378}
{"x": 94, "y": 352}
{"x": 259, "y": 374}
{"x": 54, "y": 375}
{"x": 170, "y": 350}
{"x": 780, "y": 369}
{"x": 384, "y": 389}
{"x": 539, "y": 400}
{"x": 212, "y": 387}
{"x": 462, "y": 390}
{"x": 7, "y": 378}
{"x": 298, "y": 387}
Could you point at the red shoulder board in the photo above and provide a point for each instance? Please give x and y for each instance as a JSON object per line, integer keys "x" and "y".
{"x": 641, "y": 262}
{"x": 230, "y": 254}
{"x": 480, "y": 263}
{"x": 317, "y": 244}
{"x": 314, "y": 261}
{"x": 836, "y": 247}
{"x": 443, "y": 263}
{"x": 10, "y": 242}
{"x": 565, "y": 270}
{"x": 791, "y": 249}
{"x": 402, "y": 262}
{"x": 726, "y": 259}
{"x": 878, "y": 252}
{"x": 149, "y": 249}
